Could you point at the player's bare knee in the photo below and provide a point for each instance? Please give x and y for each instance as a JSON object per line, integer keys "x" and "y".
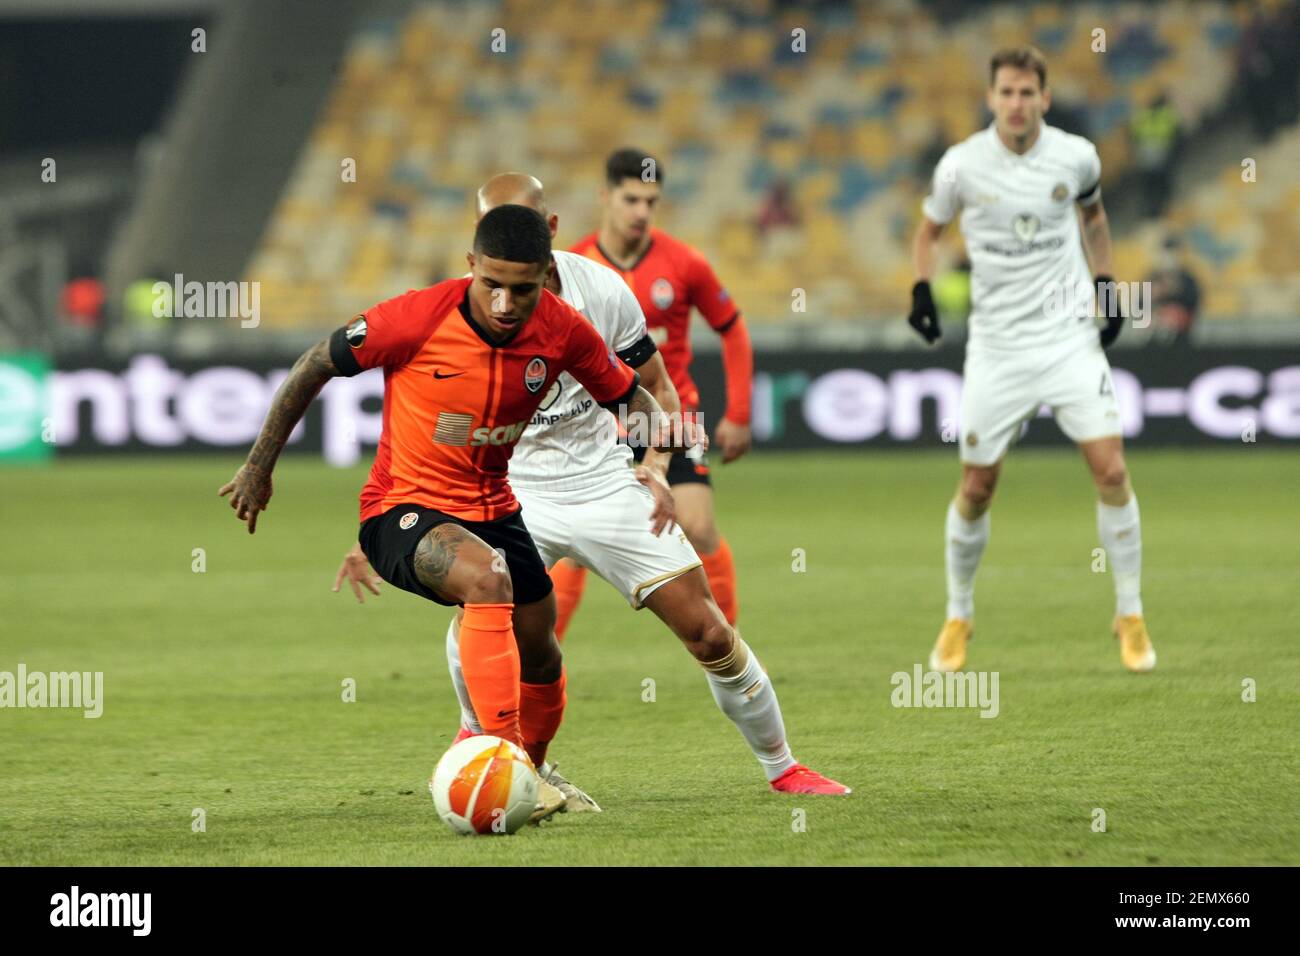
{"x": 977, "y": 487}
{"x": 1112, "y": 476}
{"x": 490, "y": 585}
{"x": 703, "y": 535}
{"x": 712, "y": 639}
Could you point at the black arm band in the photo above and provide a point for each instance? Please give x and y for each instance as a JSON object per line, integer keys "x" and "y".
{"x": 626, "y": 396}
{"x": 639, "y": 352}
{"x": 1088, "y": 193}
{"x": 341, "y": 354}
{"x": 721, "y": 329}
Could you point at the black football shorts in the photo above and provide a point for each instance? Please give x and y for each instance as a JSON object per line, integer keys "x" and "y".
{"x": 389, "y": 541}
{"x": 683, "y": 470}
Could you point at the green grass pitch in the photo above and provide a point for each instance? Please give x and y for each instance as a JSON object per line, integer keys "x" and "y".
{"x": 223, "y": 689}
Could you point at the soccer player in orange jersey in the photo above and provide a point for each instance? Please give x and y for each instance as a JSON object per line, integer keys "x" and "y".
{"x": 581, "y": 500}
{"x": 466, "y": 364}
{"x": 670, "y": 278}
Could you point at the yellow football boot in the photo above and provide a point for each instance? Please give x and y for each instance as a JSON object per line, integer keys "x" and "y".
{"x": 949, "y": 652}
{"x": 1134, "y": 643}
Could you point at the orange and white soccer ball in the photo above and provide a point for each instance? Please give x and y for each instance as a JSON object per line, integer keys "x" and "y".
{"x": 484, "y": 785}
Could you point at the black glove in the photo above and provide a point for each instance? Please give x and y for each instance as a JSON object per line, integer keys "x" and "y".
{"x": 923, "y": 317}
{"x": 1108, "y": 308}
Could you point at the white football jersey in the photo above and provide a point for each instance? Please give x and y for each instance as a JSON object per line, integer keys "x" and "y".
{"x": 1030, "y": 282}
{"x": 571, "y": 442}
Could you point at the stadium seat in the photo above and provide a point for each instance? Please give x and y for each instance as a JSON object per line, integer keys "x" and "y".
{"x": 850, "y": 129}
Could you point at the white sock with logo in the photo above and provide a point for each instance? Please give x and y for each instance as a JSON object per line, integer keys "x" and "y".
{"x": 1120, "y": 530}
{"x": 467, "y": 716}
{"x": 964, "y": 543}
{"x": 744, "y": 693}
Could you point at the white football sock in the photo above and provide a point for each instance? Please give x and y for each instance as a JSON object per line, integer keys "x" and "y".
{"x": 964, "y": 543}
{"x": 746, "y": 696}
{"x": 467, "y": 716}
{"x": 1120, "y": 530}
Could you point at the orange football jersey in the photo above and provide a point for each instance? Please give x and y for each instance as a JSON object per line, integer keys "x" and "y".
{"x": 455, "y": 402}
{"x": 667, "y": 280}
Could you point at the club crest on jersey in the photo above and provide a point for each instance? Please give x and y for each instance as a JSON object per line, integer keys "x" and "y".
{"x": 1025, "y": 226}
{"x": 408, "y": 520}
{"x": 535, "y": 374}
{"x": 1060, "y": 191}
{"x": 661, "y": 293}
{"x": 355, "y": 333}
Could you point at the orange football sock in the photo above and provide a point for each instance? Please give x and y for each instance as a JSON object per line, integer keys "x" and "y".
{"x": 569, "y": 578}
{"x": 489, "y": 659}
{"x": 541, "y": 710}
{"x": 721, "y": 572}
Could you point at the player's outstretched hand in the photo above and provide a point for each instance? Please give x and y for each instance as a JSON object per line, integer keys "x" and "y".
{"x": 357, "y": 570}
{"x": 733, "y": 440}
{"x": 664, "y": 514}
{"x": 250, "y": 492}
{"x": 1108, "y": 307}
{"x": 924, "y": 317}
{"x": 677, "y": 432}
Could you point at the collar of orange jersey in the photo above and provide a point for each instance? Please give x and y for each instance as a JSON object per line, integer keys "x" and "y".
{"x": 465, "y": 311}
{"x": 635, "y": 262}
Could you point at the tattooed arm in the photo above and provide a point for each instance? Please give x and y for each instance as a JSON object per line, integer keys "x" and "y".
{"x": 250, "y": 489}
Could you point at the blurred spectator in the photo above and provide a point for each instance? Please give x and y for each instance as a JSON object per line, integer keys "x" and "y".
{"x": 1175, "y": 295}
{"x": 1268, "y": 66}
{"x": 147, "y": 310}
{"x": 81, "y": 309}
{"x": 778, "y": 209}
{"x": 1069, "y": 110}
{"x": 935, "y": 147}
{"x": 952, "y": 291}
{"x": 1154, "y": 130}
{"x": 82, "y": 302}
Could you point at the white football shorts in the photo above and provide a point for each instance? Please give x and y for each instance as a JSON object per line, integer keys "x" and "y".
{"x": 607, "y": 530}
{"x": 1001, "y": 390}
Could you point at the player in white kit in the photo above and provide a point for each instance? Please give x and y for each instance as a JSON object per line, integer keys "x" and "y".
{"x": 581, "y": 499}
{"x": 1033, "y": 334}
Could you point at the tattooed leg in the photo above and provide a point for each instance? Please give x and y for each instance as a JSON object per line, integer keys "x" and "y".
{"x": 460, "y": 566}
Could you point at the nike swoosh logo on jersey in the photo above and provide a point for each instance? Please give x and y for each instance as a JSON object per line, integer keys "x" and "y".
{"x": 452, "y": 375}
{"x": 507, "y": 713}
